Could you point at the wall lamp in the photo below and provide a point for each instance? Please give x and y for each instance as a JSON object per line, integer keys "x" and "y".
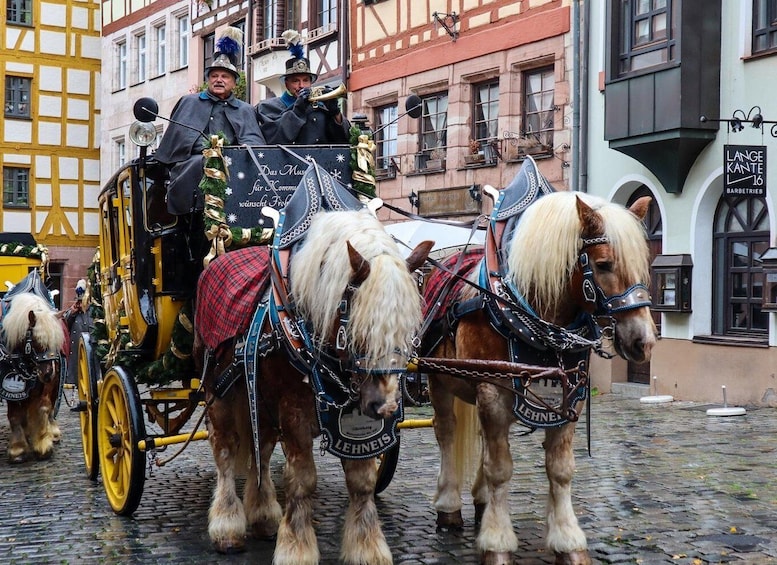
{"x": 474, "y": 192}
{"x": 738, "y": 120}
{"x": 413, "y": 198}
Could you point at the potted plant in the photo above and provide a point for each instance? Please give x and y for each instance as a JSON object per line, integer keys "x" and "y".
{"x": 436, "y": 159}
{"x": 475, "y": 155}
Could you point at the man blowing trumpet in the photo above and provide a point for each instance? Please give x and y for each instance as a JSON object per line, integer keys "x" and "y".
{"x": 295, "y": 117}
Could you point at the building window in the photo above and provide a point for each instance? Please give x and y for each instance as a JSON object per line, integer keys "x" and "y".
{"x": 121, "y": 153}
{"x": 16, "y": 187}
{"x": 764, "y": 25}
{"x": 647, "y": 34}
{"x": 183, "y": 41}
{"x": 292, "y": 14}
{"x": 121, "y": 65}
{"x": 326, "y": 13}
{"x": 539, "y": 109}
{"x": 17, "y": 97}
{"x": 140, "y": 47}
{"x": 269, "y": 19}
{"x": 386, "y": 137}
{"x": 18, "y": 12}
{"x": 485, "y": 116}
{"x": 241, "y": 25}
{"x": 160, "y": 33}
{"x": 208, "y": 48}
{"x": 741, "y": 235}
{"x": 434, "y": 131}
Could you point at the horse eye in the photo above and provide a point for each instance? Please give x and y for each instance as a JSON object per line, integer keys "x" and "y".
{"x": 605, "y": 266}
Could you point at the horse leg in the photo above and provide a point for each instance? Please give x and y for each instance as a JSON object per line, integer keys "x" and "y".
{"x": 447, "y": 498}
{"x": 56, "y": 432}
{"x": 363, "y": 539}
{"x": 496, "y": 538}
{"x": 296, "y": 543}
{"x": 564, "y": 535}
{"x": 18, "y": 448}
{"x": 226, "y": 517}
{"x": 39, "y": 431}
{"x": 263, "y": 512}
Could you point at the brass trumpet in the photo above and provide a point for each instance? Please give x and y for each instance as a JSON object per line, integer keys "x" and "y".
{"x": 318, "y": 94}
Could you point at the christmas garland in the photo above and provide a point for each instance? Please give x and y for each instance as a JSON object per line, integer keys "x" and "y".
{"x": 214, "y": 189}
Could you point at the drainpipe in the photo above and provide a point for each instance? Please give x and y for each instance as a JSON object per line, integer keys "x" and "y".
{"x": 579, "y": 181}
{"x": 344, "y": 43}
{"x": 249, "y": 60}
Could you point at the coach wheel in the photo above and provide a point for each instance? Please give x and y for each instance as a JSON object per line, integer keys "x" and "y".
{"x": 88, "y": 374}
{"x": 387, "y": 465}
{"x": 119, "y": 427}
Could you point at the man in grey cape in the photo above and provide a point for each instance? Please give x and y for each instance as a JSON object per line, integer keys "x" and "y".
{"x": 210, "y": 112}
{"x": 291, "y": 119}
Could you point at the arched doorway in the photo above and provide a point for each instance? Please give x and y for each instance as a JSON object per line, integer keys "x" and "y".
{"x": 640, "y": 372}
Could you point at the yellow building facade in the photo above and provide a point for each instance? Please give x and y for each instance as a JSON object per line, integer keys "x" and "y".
{"x": 49, "y": 135}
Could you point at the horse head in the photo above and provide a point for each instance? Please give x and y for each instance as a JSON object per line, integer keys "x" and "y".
{"x": 587, "y": 255}
{"x": 33, "y": 336}
{"x": 357, "y": 292}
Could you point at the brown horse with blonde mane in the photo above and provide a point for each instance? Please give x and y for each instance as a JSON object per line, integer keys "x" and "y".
{"x": 30, "y": 368}
{"x": 351, "y": 290}
{"x": 569, "y": 261}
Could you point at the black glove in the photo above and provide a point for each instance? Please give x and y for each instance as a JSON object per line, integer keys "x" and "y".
{"x": 332, "y": 106}
{"x": 302, "y": 98}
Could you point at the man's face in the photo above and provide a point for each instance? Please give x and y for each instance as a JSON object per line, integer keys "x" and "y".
{"x": 221, "y": 83}
{"x": 295, "y": 83}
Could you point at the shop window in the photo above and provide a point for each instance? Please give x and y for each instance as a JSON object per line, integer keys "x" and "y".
{"x": 740, "y": 237}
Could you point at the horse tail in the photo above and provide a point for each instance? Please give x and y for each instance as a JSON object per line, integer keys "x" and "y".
{"x": 467, "y": 442}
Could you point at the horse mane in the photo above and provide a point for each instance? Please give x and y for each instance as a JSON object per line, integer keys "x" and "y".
{"x": 47, "y": 333}
{"x": 546, "y": 245}
{"x": 385, "y": 308}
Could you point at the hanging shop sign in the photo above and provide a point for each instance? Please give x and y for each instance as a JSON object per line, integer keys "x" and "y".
{"x": 744, "y": 170}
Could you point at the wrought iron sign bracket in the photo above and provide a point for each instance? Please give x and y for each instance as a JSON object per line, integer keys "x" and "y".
{"x": 738, "y": 120}
{"x": 449, "y": 22}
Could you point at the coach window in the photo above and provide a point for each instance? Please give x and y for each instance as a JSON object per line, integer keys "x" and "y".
{"x": 740, "y": 236}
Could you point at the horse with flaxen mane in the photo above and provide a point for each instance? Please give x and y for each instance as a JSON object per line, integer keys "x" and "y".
{"x": 557, "y": 267}
{"x": 30, "y": 369}
{"x": 342, "y": 310}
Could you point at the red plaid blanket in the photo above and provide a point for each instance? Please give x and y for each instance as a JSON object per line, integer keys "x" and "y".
{"x": 439, "y": 278}
{"x": 228, "y": 292}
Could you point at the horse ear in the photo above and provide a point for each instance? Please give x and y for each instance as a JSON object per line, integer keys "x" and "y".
{"x": 31, "y": 318}
{"x": 359, "y": 265}
{"x": 419, "y": 255}
{"x": 589, "y": 218}
{"x": 640, "y": 207}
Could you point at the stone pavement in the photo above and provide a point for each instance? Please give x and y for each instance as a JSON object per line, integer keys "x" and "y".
{"x": 665, "y": 484}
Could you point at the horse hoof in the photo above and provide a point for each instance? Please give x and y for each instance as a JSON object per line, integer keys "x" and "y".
{"x": 450, "y": 521}
{"x": 480, "y": 508}
{"x": 578, "y": 557}
{"x": 16, "y": 459}
{"x": 497, "y": 558}
{"x": 44, "y": 456}
{"x": 229, "y": 547}
{"x": 264, "y": 533}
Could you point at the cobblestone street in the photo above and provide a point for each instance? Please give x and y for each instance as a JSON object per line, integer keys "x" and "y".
{"x": 665, "y": 484}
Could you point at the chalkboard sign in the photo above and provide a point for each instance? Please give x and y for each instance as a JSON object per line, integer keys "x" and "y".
{"x": 268, "y": 175}
{"x": 744, "y": 170}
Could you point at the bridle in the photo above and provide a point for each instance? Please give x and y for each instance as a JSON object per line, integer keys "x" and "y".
{"x": 636, "y": 296}
{"x": 317, "y": 356}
